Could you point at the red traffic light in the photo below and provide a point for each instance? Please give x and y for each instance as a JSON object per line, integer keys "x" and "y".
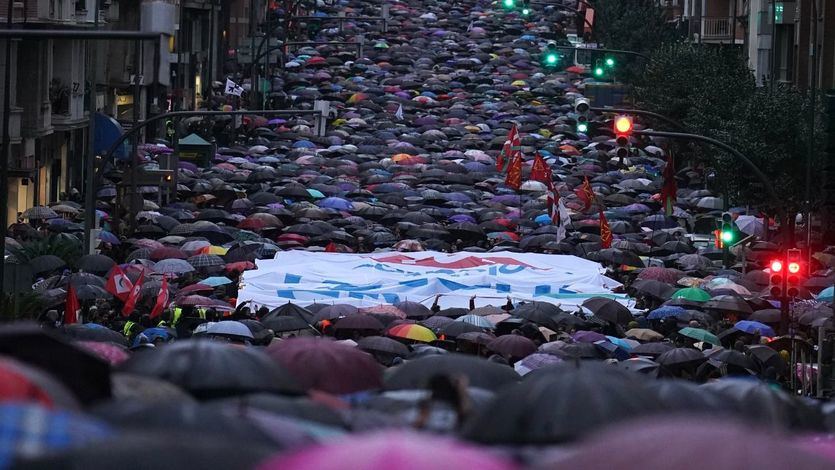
{"x": 623, "y": 124}
{"x": 794, "y": 268}
{"x": 776, "y": 266}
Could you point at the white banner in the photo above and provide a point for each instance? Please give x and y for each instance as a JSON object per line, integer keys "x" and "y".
{"x": 303, "y": 277}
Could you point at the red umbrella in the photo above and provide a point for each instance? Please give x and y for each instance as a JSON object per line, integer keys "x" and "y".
{"x": 578, "y": 69}
{"x": 195, "y": 288}
{"x": 327, "y": 366}
{"x": 668, "y": 275}
{"x": 240, "y": 266}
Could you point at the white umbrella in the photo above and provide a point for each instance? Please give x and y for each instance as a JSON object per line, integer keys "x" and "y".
{"x": 750, "y": 225}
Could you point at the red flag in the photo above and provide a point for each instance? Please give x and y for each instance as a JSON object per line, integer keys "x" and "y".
{"x": 118, "y": 284}
{"x": 500, "y": 160}
{"x": 162, "y": 299}
{"x": 133, "y": 297}
{"x": 72, "y": 307}
{"x": 511, "y": 147}
{"x": 605, "y": 232}
{"x": 331, "y": 248}
{"x": 514, "y": 173}
{"x": 540, "y": 171}
{"x": 585, "y": 193}
{"x": 669, "y": 190}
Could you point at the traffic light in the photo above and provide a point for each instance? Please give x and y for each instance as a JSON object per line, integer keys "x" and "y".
{"x": 550, "y": 55}
{"x": 610, "y": 62}
{"x": 526, "y": 8}
{"x": 623, "y": 130}
{"x": 508, "y": 4}
{"x": 775, "y": 280}
{"x": 598, "y": 69}
{"x": 581, "y": 107}
{"x": 170, "y": 130}
{"x": 793, "y": 274}
{"x": 727, "y": 231}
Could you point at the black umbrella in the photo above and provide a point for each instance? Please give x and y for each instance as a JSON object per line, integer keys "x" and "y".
{"x": 98, "y": 333}
{"x": 281, "y": 324}
{"x": 159, "y": 449}
{"x": 416, "y": 374}
{"x": 561, "y": 403}
{"x": 651, "y": 287}
{"x": 209, "y": 370}
{"x": 681, "y": 357}
{"x": 609, "y": 310}
{"x": 291, "y": 310}
{"x": 99, "y": 264}
{"x": 382, "y": 344}
{"x": 541, "y": 313}
{"x": 651, "y": 349}
{"x": 293, "y": 407}
{"x": 456, "y": 328}
{"x": 81, "y": 371}
{"x": 734, "y": 358}
{"x": 763, "y": 404}
{"x": 46, "y": 263}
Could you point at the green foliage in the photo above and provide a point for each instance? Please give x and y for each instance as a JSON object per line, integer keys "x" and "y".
{"x": 634, "y": 25}
{"x": 66, "y": 247}
{"x": 26, "y": 306}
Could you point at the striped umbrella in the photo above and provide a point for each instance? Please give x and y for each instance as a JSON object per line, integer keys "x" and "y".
{"x": 412, "y": 332}
{"x": 40, "y": 213}
{"x": 206, "y": 261}
{"x": 476, "y": 320}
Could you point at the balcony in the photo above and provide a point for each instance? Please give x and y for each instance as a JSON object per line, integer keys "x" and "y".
{"x": 715, "y": 30}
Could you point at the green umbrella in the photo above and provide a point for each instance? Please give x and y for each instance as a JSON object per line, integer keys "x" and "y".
{"x": 692, "y": 293}
{"x": 315, "y": 193}
{"x": 700, "y": 335}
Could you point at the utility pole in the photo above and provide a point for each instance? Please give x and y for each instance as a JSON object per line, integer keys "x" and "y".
{"x": 90, "y": 161}
{"x": 5, "y": 146}
{"x": 810, "y": 154}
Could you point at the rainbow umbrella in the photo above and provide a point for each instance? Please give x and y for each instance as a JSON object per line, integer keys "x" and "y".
{"x": 413, "y": 332}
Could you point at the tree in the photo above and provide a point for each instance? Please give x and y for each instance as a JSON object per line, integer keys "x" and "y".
{"x": 712, "y": 92}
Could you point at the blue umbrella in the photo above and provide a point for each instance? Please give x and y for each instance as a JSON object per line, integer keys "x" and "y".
{"x": 543, "y": 219}
{"x": 751, "y": 327}
{"x": 108, "y": 237}
{"x": 826, "y": 294}
{"x": 215, "y": 281}
{"x": 304, "y": 144}
{"x": 664, "y": 312}
{"x": 29, "y": 429}
{"x": 620, "y": 342}
{"x": 336, "y": 203}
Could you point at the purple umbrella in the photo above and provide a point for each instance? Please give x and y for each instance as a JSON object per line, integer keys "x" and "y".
{"x": 583, "y": 336}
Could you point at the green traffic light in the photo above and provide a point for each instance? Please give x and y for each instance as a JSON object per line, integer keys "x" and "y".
{"x": 610, "y": 62}
{"x": 551, "y": 59}
{"x": 582, "y": 127}
{"x": 508, "y": 3}
{"x": 598, "y": 71}
{"x": 727, "y": 236}
{"x": 526, "y": 11}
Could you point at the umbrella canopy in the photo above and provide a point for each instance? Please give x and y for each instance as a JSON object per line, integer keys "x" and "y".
{"x": 539, "y": 411}
{"x": 208, "y": 369}
{"x": 719, "y": 443}
{"x": 609, "y": 310}
{"x": 412, "y": 332}
{"x": 385, "y": 450}
{"x": 479, "y": 373}
{"x": 516, "y": 346}
{"x": 700, "y": 335}
{"x": 328, "y": 366}
{"x": 693, "y": 294}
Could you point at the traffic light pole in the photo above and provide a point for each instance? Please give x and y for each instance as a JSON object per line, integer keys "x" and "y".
{"x": 774, "y": 199}
{"x": 605, "y": 51}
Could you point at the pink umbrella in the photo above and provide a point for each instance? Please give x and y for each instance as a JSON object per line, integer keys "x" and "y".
{"x": 110, "y": 352}
{"x": 391, "y": 450}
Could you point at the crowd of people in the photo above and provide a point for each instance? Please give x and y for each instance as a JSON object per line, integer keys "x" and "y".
{"x": 143, "y": 355}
